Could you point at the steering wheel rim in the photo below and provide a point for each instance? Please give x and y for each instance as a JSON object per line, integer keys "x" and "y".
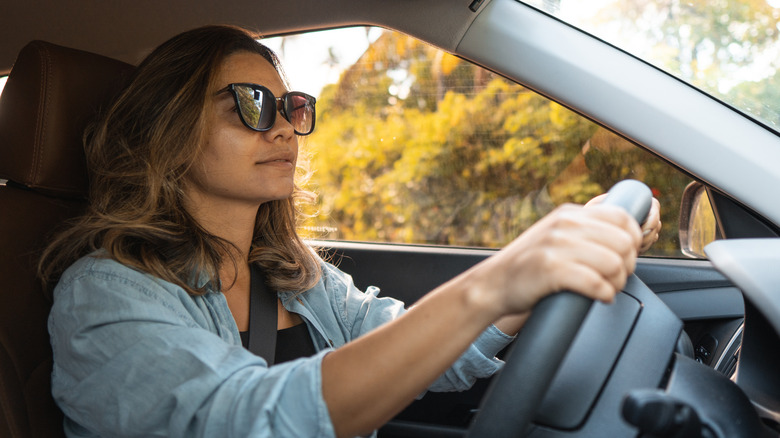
{"x": 540, "y": 347}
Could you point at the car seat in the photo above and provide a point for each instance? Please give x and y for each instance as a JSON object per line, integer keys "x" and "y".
{"x": 51, "y": 95}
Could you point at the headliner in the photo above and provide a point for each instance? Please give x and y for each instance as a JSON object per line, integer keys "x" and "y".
{"x": 129, "y": 30}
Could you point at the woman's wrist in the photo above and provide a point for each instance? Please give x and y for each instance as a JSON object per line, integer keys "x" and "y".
{"x": 482, "y": 301}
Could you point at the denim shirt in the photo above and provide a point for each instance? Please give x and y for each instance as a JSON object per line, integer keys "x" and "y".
{"x": 137, "y": 356}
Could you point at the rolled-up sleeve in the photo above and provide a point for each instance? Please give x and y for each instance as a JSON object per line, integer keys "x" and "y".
{"x": 479, "y": 361}
{"x": 134, "y": 357}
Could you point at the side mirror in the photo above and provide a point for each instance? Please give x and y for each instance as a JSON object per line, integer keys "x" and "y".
{"x": 698, "y": 226}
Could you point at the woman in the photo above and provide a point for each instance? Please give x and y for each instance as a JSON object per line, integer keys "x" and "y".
{"x": 193, "y": 184}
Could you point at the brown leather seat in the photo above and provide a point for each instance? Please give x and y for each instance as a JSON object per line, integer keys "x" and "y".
{"x": 50, "y": 96}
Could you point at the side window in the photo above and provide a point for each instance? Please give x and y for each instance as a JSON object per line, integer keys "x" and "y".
{"x": 414, "y": 145}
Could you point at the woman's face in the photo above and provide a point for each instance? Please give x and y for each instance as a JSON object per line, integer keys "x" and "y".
{"x": 239, "y": 165}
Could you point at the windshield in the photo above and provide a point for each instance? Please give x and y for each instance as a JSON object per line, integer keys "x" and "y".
{"x": 726, "y": 48}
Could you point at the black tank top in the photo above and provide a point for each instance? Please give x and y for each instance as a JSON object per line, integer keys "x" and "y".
{"x": 291, "y": 343}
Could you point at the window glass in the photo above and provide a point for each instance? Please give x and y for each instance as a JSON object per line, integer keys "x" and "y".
{"x": 727, "y": 48}
{"x": 414, "y": 145}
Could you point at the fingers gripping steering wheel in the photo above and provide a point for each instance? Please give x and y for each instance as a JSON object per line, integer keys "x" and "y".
{"x": 509, "y": 406}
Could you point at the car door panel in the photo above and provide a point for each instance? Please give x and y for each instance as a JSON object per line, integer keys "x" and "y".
{"x": 694, "y": 291}
{"x": 407, "y": 272}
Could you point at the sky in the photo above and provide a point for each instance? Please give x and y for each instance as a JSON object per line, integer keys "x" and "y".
{"x": 345, "y": 46}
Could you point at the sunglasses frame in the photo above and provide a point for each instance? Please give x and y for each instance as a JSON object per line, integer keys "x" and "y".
{"x": 269, "y": 100}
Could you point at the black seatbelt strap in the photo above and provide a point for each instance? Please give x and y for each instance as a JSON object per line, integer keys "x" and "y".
{"x": 263, "y": 313}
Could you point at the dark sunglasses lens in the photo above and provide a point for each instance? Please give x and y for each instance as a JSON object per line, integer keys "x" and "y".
{"x": 300, "y": 112}
{"x": 251, "y": 104}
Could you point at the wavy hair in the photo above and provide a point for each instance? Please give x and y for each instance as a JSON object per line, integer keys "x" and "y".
{"x": 139, "y": 154}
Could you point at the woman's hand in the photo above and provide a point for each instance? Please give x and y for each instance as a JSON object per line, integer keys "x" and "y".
{"x": 651, "y": 228}
{"x": 590, "y": 251}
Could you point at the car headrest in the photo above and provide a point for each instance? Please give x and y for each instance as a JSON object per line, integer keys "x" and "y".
{"x": 51, "y": 95}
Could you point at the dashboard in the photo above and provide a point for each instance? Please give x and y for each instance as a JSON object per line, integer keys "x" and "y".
{"x": 752, "y": 265}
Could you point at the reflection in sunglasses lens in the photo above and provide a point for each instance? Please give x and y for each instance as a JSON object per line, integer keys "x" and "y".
{"x": 299, "y": 113}
{"x": 250, "y": 105}
{"x": 298, "y": 108}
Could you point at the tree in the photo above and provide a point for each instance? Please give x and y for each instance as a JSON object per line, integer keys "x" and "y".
{"x": 414, "y": 145}
{"x": 714, "y": 45}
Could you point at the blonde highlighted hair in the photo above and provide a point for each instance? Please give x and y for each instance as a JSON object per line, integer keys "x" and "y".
{"x": 139, "y": 154}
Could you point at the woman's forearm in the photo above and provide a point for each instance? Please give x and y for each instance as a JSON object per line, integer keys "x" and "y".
{"x": 366, "y": 382}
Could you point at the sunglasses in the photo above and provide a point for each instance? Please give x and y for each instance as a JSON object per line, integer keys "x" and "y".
{"x": 257, "y": 108}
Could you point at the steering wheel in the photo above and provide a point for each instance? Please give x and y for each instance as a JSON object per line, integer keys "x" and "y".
{"x": 539, "y": 349}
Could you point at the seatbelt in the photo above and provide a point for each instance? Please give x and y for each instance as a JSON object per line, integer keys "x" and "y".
{"x": 263, "y": 314}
